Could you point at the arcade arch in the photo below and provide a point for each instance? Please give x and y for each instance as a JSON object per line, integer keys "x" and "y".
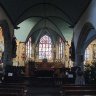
{"x": 86, "y": 36}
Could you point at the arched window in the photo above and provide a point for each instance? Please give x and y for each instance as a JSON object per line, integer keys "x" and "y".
{"x": 45, "y": 47}
{"x": 61, "y": 48}
{"x": 87, "y": 54}
{"x": 28, "y": 48}
{"x": 90, "y": 52}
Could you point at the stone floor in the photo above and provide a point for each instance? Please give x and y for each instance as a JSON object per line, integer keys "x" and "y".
{"x": 44, "y": 91}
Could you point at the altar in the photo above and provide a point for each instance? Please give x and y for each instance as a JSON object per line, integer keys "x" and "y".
{"x": 44, "y": 72}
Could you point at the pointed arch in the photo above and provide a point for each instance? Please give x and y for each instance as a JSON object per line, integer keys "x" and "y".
{"x": 83, "y": 34}
{"x": 45, "y": 47}
{"x": 79, "y": 53}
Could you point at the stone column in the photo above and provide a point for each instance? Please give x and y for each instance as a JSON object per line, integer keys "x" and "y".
{"x": 7, "y": 58}
{"x": 57, "y": 53}
{"x": 36, "y": 53}
{"x": 33, "y": 52}
{"x": 27, "y": 69}
{"x": 79, "y": 59}
{"x": 54, "y": 52}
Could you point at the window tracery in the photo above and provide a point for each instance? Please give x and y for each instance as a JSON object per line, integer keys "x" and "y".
{"x": 45, "y": 47}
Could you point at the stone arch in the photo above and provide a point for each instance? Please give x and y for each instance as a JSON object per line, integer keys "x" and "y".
{"x": 81, "y": 42}
{"x": 83, "y": 34}
{"x": 90, "y": 40}
{"x": 7, "y": 57}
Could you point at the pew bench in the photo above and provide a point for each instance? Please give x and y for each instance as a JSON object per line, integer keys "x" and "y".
{"x": 12, "y": 89}
{"x": 78, "y": 90}
{"x": 18, "y": 92}
{"x": 79, "y": 87}
{"x": 8, "y": 94}
{"x": 13, "y": 85}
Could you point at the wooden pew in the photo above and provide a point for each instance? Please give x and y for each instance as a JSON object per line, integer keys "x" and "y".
{"x": 18, "y": 92}
{"x": 78, "y": 90}
{"x": 8, "y": 94}
{"x": 8, "y": 89}
{"x": 90, "y": 87}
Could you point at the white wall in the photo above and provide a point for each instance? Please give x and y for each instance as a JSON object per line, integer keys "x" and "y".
{"x": 88, "y": 16}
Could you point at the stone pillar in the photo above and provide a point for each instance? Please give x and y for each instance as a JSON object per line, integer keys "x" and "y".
{"x": 67, "y": 54}
{"x": 26, "y": 69}
{"x": 7, "y": 58}
{"x": 33, "y": 52}
{"x": 57, "y": 53}
{"x": 79, "y": 59}
{"x": 79, "y": 62}
{"x": 21, "y": 54}
{"x": 36, "y": 53}
{"x": 54, "y": 52}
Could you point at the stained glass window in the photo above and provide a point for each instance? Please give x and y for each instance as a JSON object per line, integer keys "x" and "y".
{"x": 61, "y": 47}
{"x": 28, "y": 48}
{"x": 45, "y": 47}
{"x": 87, "y": 55}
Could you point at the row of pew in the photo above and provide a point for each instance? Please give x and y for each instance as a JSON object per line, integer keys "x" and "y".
{"x": 13, "y": 89}
{"x": 20, "y": 89}
{"x": 78, "y": 90}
